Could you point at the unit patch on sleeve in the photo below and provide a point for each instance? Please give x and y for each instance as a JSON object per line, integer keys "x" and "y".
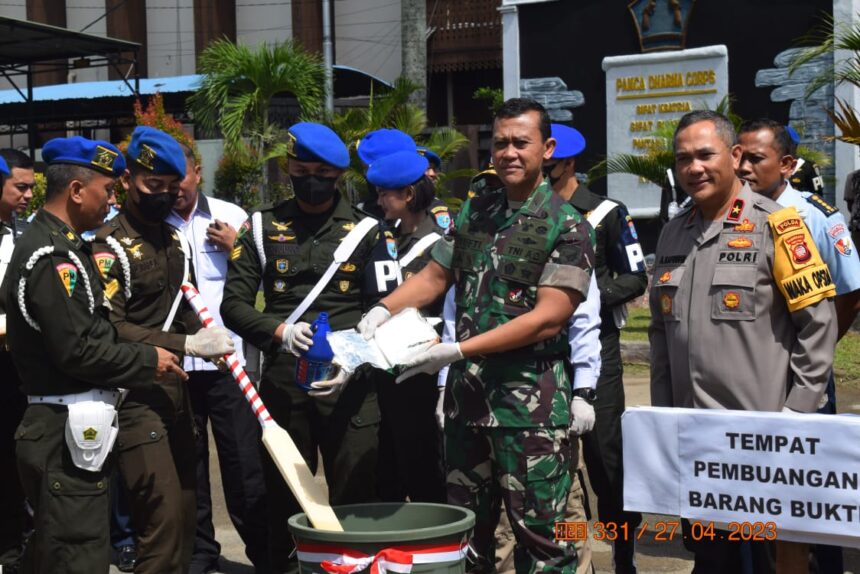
{"x": 802, "y": 276}
{"x": 68, "y": 276}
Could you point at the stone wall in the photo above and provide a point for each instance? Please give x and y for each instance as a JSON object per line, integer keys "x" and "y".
{"x": 807, "y": 114}
{"x": 553, "y": 94}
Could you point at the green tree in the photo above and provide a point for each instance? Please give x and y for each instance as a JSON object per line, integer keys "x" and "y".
{"x": 238, "y": 85}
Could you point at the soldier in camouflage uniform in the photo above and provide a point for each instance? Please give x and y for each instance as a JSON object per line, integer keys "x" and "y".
{"x": 521, "y": 260}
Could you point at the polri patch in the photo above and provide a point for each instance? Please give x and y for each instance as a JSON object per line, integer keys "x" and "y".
{"x": 391, "y": 245}
{"x": 279, "y": 286}
{"x": 282, "y": 265}
{"x": 68, "y": 276}
{"x": 836, "y": 230}
{"x": 797, "y": 248}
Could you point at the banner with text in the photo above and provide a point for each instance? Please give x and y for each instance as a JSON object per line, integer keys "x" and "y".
{"x": 800, "y": 472}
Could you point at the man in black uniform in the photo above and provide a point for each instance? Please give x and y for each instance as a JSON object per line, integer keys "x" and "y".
{"x": 144, "y": 261}
{"x": 289, "y": 247}
{"x": 70, "y": 362}
{"x": 621, "y": 277}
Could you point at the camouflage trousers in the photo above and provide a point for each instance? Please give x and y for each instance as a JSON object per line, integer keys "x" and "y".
{"x": 528, "y": 470}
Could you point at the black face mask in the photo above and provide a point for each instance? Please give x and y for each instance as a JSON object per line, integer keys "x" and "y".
{"x": 547, "y": 171}
{"x": 155, "y": 206}
{"x": 312, "y": 189}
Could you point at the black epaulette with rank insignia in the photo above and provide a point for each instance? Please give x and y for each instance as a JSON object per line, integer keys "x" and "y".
{"x": 822, "y": 205}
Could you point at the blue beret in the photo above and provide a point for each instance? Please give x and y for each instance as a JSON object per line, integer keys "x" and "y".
{"x": 792, "y": 133}
{"x": 380, "y": 143}
{"x": 315, "y": 142}
{"x": 569, "y": 142}
{"x": 431, "y": 155}
{"x": 97, "y": 155}
{"x": 397, "y": 170}
{"x": 156, "y": 151}
{"x": 4, "y": 167}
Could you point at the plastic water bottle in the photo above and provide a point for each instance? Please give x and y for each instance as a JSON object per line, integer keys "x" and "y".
{"x": 315, "y": 364}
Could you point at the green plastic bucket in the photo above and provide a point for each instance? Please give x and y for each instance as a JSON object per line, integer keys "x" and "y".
{"x": 389, "y": 535}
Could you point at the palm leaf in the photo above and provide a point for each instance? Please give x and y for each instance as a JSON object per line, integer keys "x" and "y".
{"x": 446, "y": 141}
{"x": 651, "y": 167}
{"x": 847, "y": 121}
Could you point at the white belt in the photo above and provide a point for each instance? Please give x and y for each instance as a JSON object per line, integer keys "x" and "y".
{"x": 99, "y": 395}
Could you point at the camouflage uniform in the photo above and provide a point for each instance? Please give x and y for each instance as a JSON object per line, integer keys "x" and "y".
{"x": 507, "y": 433}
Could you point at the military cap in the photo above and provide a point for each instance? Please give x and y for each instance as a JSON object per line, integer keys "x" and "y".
{"x": 397, "y": 170}
{"x": 4, "y": 167}
{"x": 569, "y": 142}
{"x": 307, "y": 141}
{"x": 792, "y": 133}
{"x": 383, "y": 142}
{"x": 431, "y": 155}
{"x": 96, "y": 155}
{"x": 156, "y": 151}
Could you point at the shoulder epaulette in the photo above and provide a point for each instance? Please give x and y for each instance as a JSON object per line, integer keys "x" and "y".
{"x": 819, "y": 203}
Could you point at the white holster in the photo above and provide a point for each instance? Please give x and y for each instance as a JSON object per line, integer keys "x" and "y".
{"x": 91, "y": 430}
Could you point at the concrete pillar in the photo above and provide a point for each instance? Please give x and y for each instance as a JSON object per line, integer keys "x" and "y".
{"x": 846, "y": 158}
{"x": 413, "y": 19}
{"x": 510, "y": 52}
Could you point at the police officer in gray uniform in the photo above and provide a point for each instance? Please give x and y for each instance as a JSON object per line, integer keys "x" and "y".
{"x": 741, "y": 309}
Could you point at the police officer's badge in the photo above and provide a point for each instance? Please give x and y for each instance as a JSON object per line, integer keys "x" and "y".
{"x": 104, "y": 158}
{"x": 135, "y": 251}
{"x": 843, "y": 246}
{"x": 282, "y": 226}
{"x": 126, "y": 240}
{"x": 147, "y": 157}
{"x": 343, "y": 286}
{"x": 348, "y": 226}
{"x": 279, "y": 286}
{"x": 280, "y": 237}
{"x": 441, "y": 216}
{"x": 391, "y": 244}
{"x": 282, "y": 265}
{"x": 104, "y": 261}
{"x": 797, "y": 248}
{"x": 348, "y": 267}
{"x": 732, "y": 300}
{"x": 665, "y": 304}
{"x": 69, "y": 276}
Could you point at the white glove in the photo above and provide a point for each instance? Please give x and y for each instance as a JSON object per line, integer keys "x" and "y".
{"x": 297, "y": 337}
{"x": 371, "y": 320}
{"x": 440, "y": 408}
{"x": 581, "y": 416}
{"x": 431, "y": 360}
{"x": 2, "y": 325}
{"x": 333, "y": 385}
{"x": 790, "y": 411}
{"x": 209, "y": 343}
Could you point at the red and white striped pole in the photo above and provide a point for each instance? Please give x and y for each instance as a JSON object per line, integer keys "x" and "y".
{"x": 239, "y": 375}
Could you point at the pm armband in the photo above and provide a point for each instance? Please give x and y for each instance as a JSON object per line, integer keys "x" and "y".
{"x": 802, "y": 276}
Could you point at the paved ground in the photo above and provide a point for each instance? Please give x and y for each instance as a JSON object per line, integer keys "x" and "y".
{"x": 652, "y": 556}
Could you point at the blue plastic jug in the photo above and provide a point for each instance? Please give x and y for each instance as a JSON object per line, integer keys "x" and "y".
{"x": 315, "y": 364}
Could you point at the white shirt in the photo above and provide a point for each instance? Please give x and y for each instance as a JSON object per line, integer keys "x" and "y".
{"x": 210, "y": 261}
{"x": 583, "y": 335}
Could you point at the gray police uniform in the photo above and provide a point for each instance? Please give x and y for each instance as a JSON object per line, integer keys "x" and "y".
{"x": 722, "y": 333}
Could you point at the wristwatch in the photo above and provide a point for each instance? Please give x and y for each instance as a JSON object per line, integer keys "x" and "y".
{"x": 590, "y": 395}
